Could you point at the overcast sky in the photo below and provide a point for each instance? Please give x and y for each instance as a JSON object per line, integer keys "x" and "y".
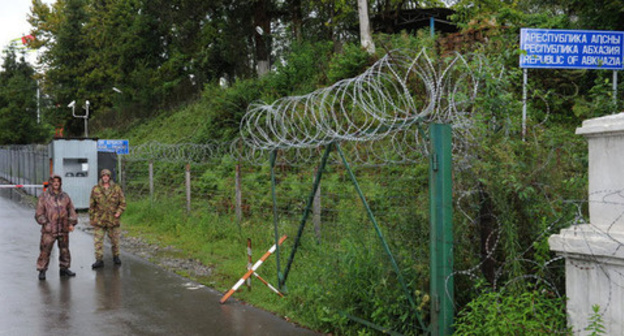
{"x": 13, "y": 22}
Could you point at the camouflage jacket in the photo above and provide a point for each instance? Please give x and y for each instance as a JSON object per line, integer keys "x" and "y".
{"x": 55, "y": 212}
{"x": 105, "y": 203}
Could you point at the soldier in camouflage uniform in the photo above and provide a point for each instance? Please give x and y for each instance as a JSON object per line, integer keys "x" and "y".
{"x": 57, "y": 217}
{"x": 106, "y": 205}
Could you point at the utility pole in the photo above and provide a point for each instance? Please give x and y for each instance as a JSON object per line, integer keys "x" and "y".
{"x": 38, "y": 105}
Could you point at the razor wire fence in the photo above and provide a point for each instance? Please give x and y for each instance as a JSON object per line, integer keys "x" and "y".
{"x": 488, "y": 242}
{"x": 502, "y": 219}
{"x": 377, "y": 119}
{"x": 188, "y": 168}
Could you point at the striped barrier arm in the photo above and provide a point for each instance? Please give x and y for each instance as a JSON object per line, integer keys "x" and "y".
{"x": 268, "y": 284}
{"x": 17, "y": 186}
{"x": 252, "y": 270}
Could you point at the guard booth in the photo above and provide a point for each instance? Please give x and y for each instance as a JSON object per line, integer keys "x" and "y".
{"x": 76, "y": 161}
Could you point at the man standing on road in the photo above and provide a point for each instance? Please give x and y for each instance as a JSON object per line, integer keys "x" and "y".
{"x": 106, "y": 205}
{"x": 57, "y": 217}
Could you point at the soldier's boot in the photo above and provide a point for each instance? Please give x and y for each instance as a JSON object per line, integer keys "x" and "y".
{"x": 116, "y": 260}
{"x": 42, "y": 275}
{"x": 97, "y": 264}
{"x": 67, "y": 272}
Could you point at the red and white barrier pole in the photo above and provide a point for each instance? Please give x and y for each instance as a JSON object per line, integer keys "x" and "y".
{"x": 252, "y": 270}
{"x": 268, "y": 284}
{"x": 17, "y": 186}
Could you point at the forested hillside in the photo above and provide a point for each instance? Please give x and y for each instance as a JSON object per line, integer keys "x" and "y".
{"x": 183, "y": 81}
{"x": 163, "y": 54}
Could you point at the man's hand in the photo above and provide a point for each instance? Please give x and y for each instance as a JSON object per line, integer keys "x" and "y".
{"x": 71, "y": 228}
{"x": 42, "y": 220}
{"x": 117, "y": 214}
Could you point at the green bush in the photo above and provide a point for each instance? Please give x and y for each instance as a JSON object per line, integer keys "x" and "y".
{"x": 352, "y": 62}
{"x": 302, "y": 72}
{"x": 533, "y": 312}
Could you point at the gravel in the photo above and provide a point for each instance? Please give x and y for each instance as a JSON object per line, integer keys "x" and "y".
{"x": 161, "y": 256}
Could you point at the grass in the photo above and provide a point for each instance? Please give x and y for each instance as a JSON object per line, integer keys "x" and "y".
{"x": 213, "y": 239}
{"x": 322, "y": 278}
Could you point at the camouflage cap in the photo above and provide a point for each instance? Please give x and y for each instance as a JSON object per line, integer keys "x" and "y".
{"x": 105, "y": 172}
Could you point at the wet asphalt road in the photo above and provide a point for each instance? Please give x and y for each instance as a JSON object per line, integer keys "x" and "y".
{"x": 137, "y": 298}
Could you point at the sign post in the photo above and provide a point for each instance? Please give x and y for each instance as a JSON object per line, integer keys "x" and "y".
{"x": 571, "y": 49}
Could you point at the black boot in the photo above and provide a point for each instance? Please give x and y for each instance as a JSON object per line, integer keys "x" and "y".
{"x": 97, "y": 264}
{"x": 41, "y": 275}
{"x": 116, "y": 260}
{"x": 67, "y": 272}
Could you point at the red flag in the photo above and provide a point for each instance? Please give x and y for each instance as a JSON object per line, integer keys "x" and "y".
{"x": 26, "y": 39}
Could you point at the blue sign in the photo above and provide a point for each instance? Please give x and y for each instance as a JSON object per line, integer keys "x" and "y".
{"x": 571, "y": 49}
{"x": 113, "y": 146}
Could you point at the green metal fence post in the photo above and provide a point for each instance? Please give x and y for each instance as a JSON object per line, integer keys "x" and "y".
{"x": 441, "y": 201}
{"x": 306, "y": 212}
{"x": 277, "y": 245}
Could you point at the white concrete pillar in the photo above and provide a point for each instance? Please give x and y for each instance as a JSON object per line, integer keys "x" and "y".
{"x": 594, "y": 252}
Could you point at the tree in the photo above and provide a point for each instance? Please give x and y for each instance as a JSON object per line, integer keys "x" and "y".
{"x": 262, "y": 38}
{"x": 18, "y": 101}
{"x": 61, "y": 30}
{"x": 159, "y": 52}
{"x": 295, "y": 16}
{"x": 126, "y": 54}
{"x": 583, "y": 14}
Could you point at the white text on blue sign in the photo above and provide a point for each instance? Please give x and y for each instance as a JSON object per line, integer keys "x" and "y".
{"x": 113, "y": 146}
{"x": 571, "y": 49}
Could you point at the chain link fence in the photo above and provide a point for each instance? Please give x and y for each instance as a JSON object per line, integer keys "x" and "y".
{"x": 25, "y": 165}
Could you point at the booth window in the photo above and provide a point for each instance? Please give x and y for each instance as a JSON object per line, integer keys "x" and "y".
{"x": 76, "y": 167}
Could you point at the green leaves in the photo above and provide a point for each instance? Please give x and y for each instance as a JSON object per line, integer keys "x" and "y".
{"x": 596, "y": 323}
{"x": 348, "y": 64}
{"x": 533, "y": 312}
{"x": 18, "y": 102}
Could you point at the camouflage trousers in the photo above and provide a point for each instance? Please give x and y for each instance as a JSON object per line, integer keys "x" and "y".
{"x": 114, "y": 234}
{"x": 45, "y": 248}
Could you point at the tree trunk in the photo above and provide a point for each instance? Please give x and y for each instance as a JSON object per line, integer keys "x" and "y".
{"x": 297, "y": 20}
{"x": 262, "y": 36}
{"x": 365, "y": 32}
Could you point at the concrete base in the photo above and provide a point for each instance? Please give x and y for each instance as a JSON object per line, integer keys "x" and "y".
{"x": 594, "y": 275}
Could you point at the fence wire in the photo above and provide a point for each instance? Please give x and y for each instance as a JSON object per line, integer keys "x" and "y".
{"x": 377, "y": 117}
